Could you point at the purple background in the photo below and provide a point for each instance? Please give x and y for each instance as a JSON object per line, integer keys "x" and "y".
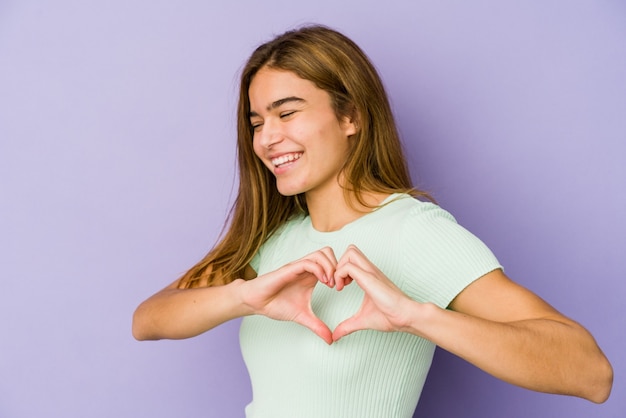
{"x": 116, "y": 173}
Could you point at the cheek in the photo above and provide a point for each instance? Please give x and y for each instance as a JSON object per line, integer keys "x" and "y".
{"x": 256, "y": 148}
{"x": 258, "y": 152}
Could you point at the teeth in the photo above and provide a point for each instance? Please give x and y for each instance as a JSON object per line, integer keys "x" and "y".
{"x": 287, "y": 158}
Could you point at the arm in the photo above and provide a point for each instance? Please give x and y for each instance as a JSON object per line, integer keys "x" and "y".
{"x": 284, "y": 294}
{"x": 175, "y": 313}
{"x": 509, "y": 332}
{"x": 494, "y": 324}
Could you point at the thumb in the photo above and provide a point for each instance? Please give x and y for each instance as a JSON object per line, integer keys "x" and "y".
{"x": 346, "y": 327}
{"x": 316, "y": 325}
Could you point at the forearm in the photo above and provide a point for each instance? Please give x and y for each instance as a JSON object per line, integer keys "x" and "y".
{"x": 545, "y": 354}
{"x": 182, "y": 313}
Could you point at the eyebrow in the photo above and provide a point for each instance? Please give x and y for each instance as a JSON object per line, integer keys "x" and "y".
{"x": 279, "y": 103}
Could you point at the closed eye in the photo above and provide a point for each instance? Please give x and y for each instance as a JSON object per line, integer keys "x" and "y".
{"x": 256, "y": 126}
{"x": 287, "y": 114}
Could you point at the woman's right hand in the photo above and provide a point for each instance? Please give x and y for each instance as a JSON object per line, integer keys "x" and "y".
{"x": 285, "y": 294}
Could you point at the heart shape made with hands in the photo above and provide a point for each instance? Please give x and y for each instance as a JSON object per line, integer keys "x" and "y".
{"x": 382, "y": 305}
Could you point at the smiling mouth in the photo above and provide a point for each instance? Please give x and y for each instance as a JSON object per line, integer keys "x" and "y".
{"x": 285, "y": 159}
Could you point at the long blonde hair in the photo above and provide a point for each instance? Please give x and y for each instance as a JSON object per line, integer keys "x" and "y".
{"x": 376, "y": 163}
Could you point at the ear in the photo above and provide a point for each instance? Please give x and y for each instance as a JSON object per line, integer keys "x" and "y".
{"x": 350, "y": 124}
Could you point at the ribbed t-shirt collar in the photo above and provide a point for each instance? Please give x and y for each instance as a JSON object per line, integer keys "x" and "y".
{"x": 319, "y": 236}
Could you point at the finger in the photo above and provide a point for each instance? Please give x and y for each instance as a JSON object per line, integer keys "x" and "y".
{"x": 346, "y": 327}
{"x": 345, "y": 281}
{"x": 313, "y": 323}
{"x": 372, "y": 284}
{"x": 354, "y": 255}
{"x": 341, "y": 280}
{"x": 347, "y": 257}
{"x": 310, "y": 266}
{"x": 348, "y": 272}
{"x": 330, "y": 256}
{"x": 325, "y": 257}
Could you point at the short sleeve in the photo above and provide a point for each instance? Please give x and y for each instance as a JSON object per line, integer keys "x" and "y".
{"x": 256, "y": 261}
{"x": 442, "y": 257}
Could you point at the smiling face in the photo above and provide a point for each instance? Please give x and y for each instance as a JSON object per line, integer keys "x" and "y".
{"x": 297, "y": 134}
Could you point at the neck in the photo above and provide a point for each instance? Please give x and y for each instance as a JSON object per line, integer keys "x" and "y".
{"x": 334, "y": 209}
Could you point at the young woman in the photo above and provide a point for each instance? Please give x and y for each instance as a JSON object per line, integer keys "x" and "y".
{"x": 346, "y": 281}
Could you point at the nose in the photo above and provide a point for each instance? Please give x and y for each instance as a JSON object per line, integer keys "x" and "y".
{"x": 270, "y": 133}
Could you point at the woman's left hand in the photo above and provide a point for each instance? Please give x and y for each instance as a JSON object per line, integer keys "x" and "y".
{"x": 494, "y": 323}
{"x": 384, "y": 306}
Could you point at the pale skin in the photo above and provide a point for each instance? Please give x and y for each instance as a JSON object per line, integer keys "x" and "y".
{"x": 495, "y": 324}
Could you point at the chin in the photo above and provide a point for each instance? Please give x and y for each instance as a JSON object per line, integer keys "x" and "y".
{"x": 289, "y": 191}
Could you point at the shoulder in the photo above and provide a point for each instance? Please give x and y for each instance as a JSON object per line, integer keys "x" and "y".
{"x": 431, "y": 229}
{"x": 412, "y": 212}
{"x": 441, "y": 257}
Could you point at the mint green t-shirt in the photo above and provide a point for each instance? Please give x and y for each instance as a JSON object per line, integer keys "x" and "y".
{"x": 295, "y": 374}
